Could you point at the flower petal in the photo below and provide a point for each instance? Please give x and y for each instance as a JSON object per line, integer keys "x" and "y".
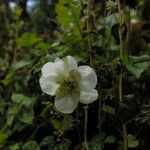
{"x": 49, "y": 69}
{"x": 59, "y": 66}
{"x": 48, "y": 85}
{"x": 66, "y": 105}
{"x": 87, "y": 97}
{"x": 88, "y": 77}
{"x": 71, "y": 63}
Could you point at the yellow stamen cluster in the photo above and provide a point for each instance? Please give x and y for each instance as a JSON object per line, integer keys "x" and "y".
{"x": 68, "y": 86}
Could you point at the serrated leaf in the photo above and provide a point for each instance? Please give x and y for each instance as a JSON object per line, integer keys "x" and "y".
{"x": 68, "y": 16}
{"x": 67, "y": 13}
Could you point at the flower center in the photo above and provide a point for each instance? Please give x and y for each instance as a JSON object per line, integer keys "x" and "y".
{"x": 68, "y": 85}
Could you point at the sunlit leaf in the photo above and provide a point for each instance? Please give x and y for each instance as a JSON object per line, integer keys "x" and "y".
{"x": 28, "y": 39}
{"x": 15, "y": 147}
{"x": 3, "y": 137}
{"x": 132, "y": 142}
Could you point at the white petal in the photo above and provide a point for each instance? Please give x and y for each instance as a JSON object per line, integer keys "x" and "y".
{"x": 49, "y": 69}
{"x": 48, "y": 85}
{"x": 66, "y": 105}
{"x": 71, "y": 63}
{"x": 59, "y": 66}
{"x": 88, "y": 77}
{"x": 87, "y": 97}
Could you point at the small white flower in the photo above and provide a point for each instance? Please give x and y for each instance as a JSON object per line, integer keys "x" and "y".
{"x": 69, "y": 83}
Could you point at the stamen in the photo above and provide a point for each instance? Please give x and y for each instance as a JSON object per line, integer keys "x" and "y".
{"x": 68, "y": 86}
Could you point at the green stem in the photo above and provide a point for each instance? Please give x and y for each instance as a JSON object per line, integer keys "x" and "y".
{"x": 120, "y": 86}
{"x": 15, "y": 38}
{"x": 78, "y": 130}
{"x": 85, "y": 126}
{"x": 90, "y": 57}
{"x": 99, "y": 116}
{"x": 120, "y": 32}
{"x": 88, "y": 31}
{"x": 125, "y": 142}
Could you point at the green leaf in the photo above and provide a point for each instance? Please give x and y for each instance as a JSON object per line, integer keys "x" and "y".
{"x": 3, "y": 137}
{"x": 137, "y": 65}
{"x": 22, "y": 99}
{"x": 28, "y": 39}
{"x": 26, "y": 115}
{"x": 109, "y": 139}
{"x": 18, "y": 98}
{"x": 11, "y": 113}
{"x": 10, "y": 76}
{"x": 15, "y": 147}
{"x": 20, "y": 64}
{"x": 65, "y": 124}
{"x": 47, "y": 141}
{"x": 132, "y": 142}
{"x": 31, "y": 145}
{"x": 68, "y": 16}
{"x": 42, "y": 46}
{"x": 68, "y": 13}
{"x": 52, "y": 145}
{"x": 96, "y": 143}
{"x": 108, "y": 109}
{"x": 46, "y": 109}
{"x": 24, "y": 106}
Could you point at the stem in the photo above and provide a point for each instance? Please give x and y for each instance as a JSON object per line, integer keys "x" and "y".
{"x": 78, "y": 130}
{"x": 99, "y": 116}
{"x": 90, "y": 57}
{"x": 120, "y": 86}
{"x": 88, "y": 31}
{"x": 15, "y": 38}
{"x": 85, "y": 126}
{"x": 125, "y": 142}
{"x": 120, "y": 32}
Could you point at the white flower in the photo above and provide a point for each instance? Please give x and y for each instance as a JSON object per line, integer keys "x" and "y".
{"x": 69, "y": 83}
